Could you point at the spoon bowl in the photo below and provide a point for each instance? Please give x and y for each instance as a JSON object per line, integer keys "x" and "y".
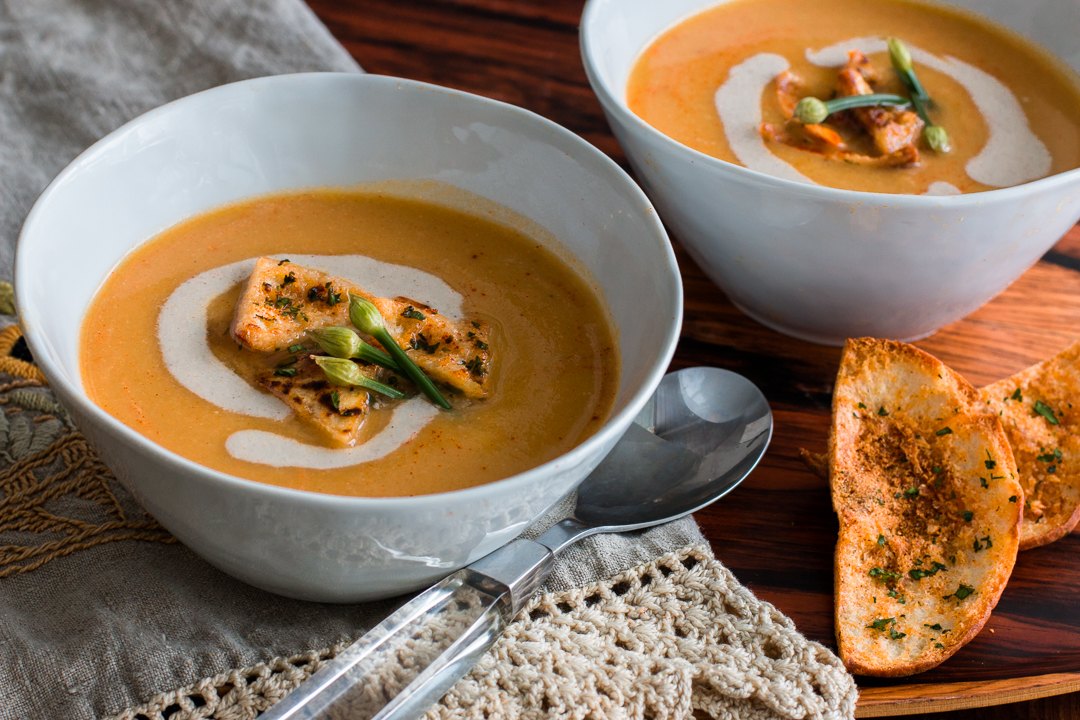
{"x": 699, "y": 435}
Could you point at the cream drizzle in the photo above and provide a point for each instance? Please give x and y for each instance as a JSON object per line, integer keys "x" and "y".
{"x": 738, "y": 101}
{"x": 185, "y": 348}
{"x": 940, "y": 187}
{"x": 267, "y": 448}
{"x": 1012, "y": 155}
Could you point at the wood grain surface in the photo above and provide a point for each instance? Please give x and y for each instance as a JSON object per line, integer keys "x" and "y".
{"x": 776, "y": 532}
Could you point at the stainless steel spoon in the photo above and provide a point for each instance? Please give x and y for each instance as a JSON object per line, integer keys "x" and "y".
{"x": 701, "y": 433}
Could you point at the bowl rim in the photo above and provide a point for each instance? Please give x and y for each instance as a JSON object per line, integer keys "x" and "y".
{"x": 572, "y": 143}
{"x": 611, "y": 102}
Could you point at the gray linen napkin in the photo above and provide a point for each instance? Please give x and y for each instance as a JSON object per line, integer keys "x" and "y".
{"x": 96, "y": 630}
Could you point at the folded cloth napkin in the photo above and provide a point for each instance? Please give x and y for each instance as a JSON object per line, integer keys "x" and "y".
{"x": 103, "y": 614}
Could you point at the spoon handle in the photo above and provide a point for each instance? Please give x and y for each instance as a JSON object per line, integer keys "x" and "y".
{"x": 412, "y": 658}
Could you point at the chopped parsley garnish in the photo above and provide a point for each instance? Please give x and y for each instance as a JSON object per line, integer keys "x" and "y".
{"x": 935, "y": 626}
{"x": 899, "y": 598}
{"x": 881, "y": 623}
{"x": 882, "y": 411}
{"x": 982, "y": 481}
{"x": 1050, "y": 456}
{"x": 1012, "y": 498}
{"x": 413, "y": 313}
{"x": 475, "y": 366}
{"x": 944, "y": 431}
{"x": 939, "y": 645}
{"x": 285, "y": 372}
{"x": 283, "y": 262}
{"x": 885, "y": 574}
{"x": 893, "y": 635}
{"x": 332, "y": 298}
{"x": 967, "y": 515}
{"x": 288, "y": 280}
{"x": 961, "y": 592}
{"x": 476, "y": 324}
{"x": 919, "y": 574}
{"x": 861, "y": 406}
{"x": 911, "y": 491}
{"x": 419, "y": 342}
{"x": 1016, "y": 395}
{"x": 985, "y": 544}
{"x": 1046, "y": 411}
{"x": 283, "y": 302}
{"x": 298, "y": 348}
{"x": 881, "y": 540}
{"x": 335, "y": 398}
{"x": 989, "y": 462}
{"x": 480, "y": 344}
{"x": 936, "y": 469}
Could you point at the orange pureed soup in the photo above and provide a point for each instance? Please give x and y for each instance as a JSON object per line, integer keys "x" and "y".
{"x": 723, "y": 82}
{"x": 157, "y": 352}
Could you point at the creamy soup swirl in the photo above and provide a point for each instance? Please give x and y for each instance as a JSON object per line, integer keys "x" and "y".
{"x": 182, "y": 334}
{"x": 1012, "y": 155}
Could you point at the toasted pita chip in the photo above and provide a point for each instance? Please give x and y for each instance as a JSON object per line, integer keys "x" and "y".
{"x": 1036, "y": 408}
{"x": 925, "y": 547}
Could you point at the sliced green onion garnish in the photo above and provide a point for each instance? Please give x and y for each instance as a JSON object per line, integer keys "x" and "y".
{"x": 811, "y": 110}
{"x": 345, "y": 373}
{"x": 935, "y": 135}
{"x": 341, "y": 342}
{"x": 366, "y": 317}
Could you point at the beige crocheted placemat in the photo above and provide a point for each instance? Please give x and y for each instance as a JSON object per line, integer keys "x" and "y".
{"x": 656, "y": 642}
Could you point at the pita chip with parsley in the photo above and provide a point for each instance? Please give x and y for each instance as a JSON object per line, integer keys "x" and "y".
{"x": 925, "y": 546}
{"x": 1039, "y": 409}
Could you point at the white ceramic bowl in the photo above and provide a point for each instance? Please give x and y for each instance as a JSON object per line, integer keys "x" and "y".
{"x": 824, "y": 264}
{"x": 296, "y": 131}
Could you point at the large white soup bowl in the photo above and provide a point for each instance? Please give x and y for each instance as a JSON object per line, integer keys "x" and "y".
{"x": 820, "y": 263}
{"x": 296, "y": 131}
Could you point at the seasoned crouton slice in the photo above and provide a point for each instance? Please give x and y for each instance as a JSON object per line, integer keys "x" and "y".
{"x": 1040, "y": 411}
{"x": 928, "y": 534}
{"x": 339, "y": 412}
{"x": 281, "y": 301}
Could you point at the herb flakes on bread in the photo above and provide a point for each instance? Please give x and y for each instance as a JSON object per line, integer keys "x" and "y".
{"x": 925, "y": 547}
{"x": 1036, "y": 410}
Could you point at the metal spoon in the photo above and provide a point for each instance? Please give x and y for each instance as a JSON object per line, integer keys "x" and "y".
{"x": 700, "y": 434}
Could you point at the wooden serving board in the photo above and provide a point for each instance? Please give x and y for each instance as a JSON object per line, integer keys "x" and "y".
{"x": 776, "y": 532}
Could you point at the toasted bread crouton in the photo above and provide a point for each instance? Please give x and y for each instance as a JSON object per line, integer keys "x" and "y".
{"x": 339, "y": 412}
{"x": 281, "y": 301}
{"x": 1036, "y": 408}
{"x": 925, "y": 546}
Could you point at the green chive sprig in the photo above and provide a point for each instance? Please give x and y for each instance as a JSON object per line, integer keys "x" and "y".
{"x": 341, "y": 342}
{"x": 900, "y": 57}
{"x": 367, "y": 319}
{"x": 346, "y": 373}
{"x": 811, "y": 110}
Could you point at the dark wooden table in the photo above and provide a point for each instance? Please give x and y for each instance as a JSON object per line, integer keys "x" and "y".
{"x": 526, "y": 52}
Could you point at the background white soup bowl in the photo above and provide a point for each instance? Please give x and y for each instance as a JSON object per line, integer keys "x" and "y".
{"x": 296, "y": 131}
{"x": 824, "y": 264}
